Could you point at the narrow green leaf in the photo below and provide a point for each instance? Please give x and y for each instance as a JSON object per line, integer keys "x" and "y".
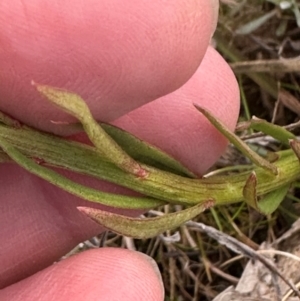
{"x": 255, "y": 24}
{"x": 237, "y": 142}
{"x": 86, "y": 193}
{"x": 138, "y": 149}
{"x": 144, "y": 228}
{"x": 268, "y": 203}
{"x": 271, "y": 129}
{"x": 145, "y": 152}
{"x": 249, "y": 191}
{"x": 75, "y": 105}
{"x": 271, "y": 201}
{"x": 296, "y": 12}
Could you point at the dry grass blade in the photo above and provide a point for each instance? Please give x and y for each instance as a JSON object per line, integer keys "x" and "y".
{"x": 289, "y": 101}
{"x": 268, "y": 66}
{"x": 240, "y": 248}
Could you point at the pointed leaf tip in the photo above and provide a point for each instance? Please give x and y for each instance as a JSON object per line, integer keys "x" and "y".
{"x": 266, "y": 204}
{"x": 276, "y": 131}
{"x": 237, "y": 142}
{"x": 73, "y": 104}
{"x": 142, "y": 228}
{"x": 295, "y": 145}
{"x": 249, "y": 191}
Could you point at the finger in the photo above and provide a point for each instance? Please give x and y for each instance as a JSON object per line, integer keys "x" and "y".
{"x": 102, "y": 274}
{"x": 174, "y": 125}
{"x": 117, "y": 55}
{"x": 40, "y": 223}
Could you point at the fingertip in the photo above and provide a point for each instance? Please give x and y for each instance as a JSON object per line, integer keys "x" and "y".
{"x": 187, "y": 135}
{"x": 101, "y": 274}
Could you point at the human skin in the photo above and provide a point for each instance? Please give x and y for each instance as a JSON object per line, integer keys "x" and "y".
{"x": 136, "y": 63}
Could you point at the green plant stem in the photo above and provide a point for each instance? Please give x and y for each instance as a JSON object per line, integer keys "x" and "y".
{"x": 86, "y": 193}
{"x": 159, "y": 184}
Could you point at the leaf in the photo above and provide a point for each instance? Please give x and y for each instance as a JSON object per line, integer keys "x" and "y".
{"x": 237, "y": 142}
{"x": 296, "y": 12}
{"x": 144, "y": 152}
{"x": 295, "y": 145}
{"x": 273, "y": 130}
{"x": 271, "y": 201}
{"x": 255, "y": 24}
{"x": 249, "y": 191}
{"x": 138, "y": 149}
{"x": 75, "y": 105}
{"x": 143, "y": 228}
{"x": 86, "y": 193}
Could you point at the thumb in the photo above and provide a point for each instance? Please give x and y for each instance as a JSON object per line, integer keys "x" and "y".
{"x": 102, "y": 274}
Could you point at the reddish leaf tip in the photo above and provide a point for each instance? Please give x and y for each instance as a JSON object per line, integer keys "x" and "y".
{"x": 85, "y": 210}
{"x": 295, "y": 145}
{"x": 141, "y": 172}
{"x": 249, "y": 190}
{"x": 33, "y": 83}
{"x": 209, "y": 203}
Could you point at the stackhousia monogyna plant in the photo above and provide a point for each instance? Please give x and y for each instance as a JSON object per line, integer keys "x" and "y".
{"x": 119, "y": 157}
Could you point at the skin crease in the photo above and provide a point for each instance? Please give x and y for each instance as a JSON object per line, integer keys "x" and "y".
{"x": 55, "y": 45}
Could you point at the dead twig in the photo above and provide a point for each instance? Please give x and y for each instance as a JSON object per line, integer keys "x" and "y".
{"x": 267, "y": 66}
{"x": 240, "y": 248}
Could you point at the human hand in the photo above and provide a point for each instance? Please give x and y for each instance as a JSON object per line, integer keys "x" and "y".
{"x": 118, "y": 56}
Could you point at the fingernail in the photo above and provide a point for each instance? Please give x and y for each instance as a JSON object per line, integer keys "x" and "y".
{"x": 155, "y": 269}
